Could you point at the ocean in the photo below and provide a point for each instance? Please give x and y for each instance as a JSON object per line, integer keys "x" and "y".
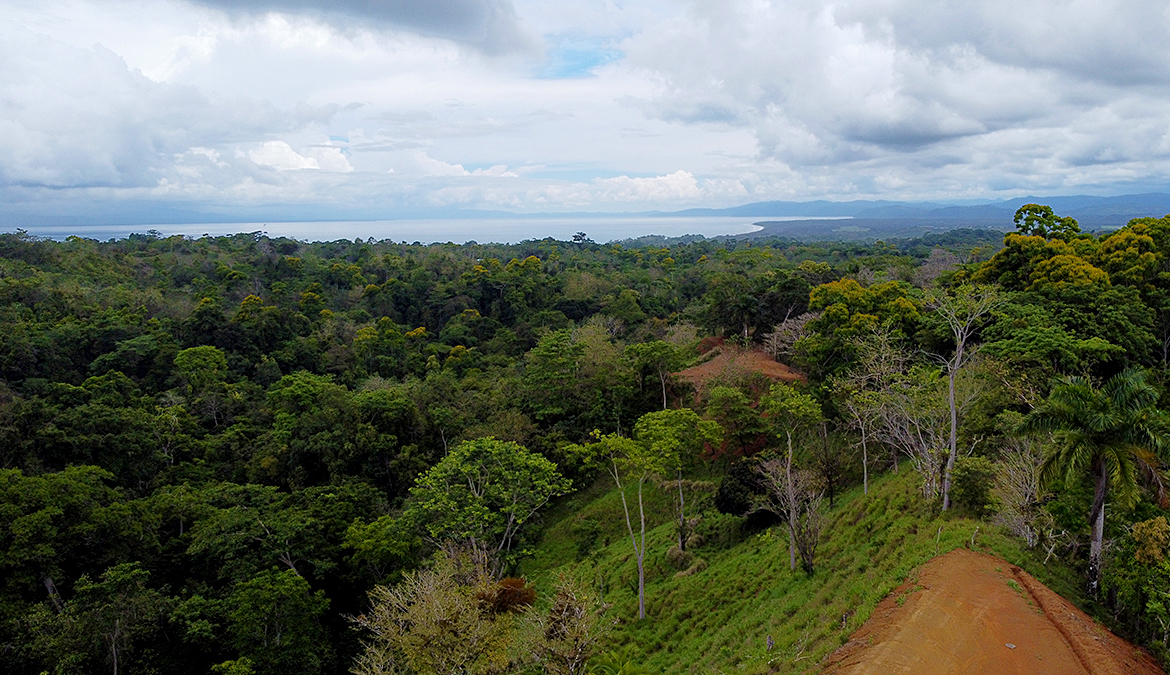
{"x": 459, "y": 231}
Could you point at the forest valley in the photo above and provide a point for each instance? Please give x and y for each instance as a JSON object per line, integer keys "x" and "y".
{"x": 255, "y": 455}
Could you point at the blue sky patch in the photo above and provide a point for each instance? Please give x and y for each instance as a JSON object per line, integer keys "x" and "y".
{"x": 568, "y": 58}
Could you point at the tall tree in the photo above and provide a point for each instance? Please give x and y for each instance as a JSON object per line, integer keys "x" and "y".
{"x": 631, "y": 462}
{"x": 676, "y": 435}
{"x": 792, "y": 412}
{"x": 961, "y": 310}
{"x": 1115, "y": 434}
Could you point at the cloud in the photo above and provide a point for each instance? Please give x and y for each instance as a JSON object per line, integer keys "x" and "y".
{"x": 491, "y": 25}
{"x": 280, "y": 156}
{"x": 922, "y": 91}
{"x": 75, "y": 118}
{"x": 678, "y": 186}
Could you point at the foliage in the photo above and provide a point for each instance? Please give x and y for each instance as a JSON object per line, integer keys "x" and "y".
{"x": 274, "y": 622}
{"x": 484, "y": 493}
{"x": 1114, "y": 434}
{"x": 432, "y": 622}
{"x": 241, "y": 419}
{"x": 973, "y": 476}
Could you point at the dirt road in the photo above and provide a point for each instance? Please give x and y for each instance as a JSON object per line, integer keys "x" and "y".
{"x": 968, "y": 612}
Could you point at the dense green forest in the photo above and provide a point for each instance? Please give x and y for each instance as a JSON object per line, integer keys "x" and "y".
{"x": 258, "y": 455}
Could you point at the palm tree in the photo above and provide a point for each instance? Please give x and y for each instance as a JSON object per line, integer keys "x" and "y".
{"x": 1115, "y": 434}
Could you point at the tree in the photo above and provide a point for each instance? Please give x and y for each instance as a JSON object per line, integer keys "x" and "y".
{"x": 563, "y": 638}
{"x": 741, "y": 423}
{"x": 551, "y": 374}
{"x": 105, "y": 616}
{"x": 1115, "y": 434}
{"x": 484, "y": 492}
{"x": 274, "y": 621}
{"x": 629, "y": 462}
{"x": 1036, "y": 220}
{"x": 658, "y": 357}
{"x": 796, "y": 496}
{"x": 202, "y": 371}
{"x": 791, "y": 411}
{"x": 863, "y": 409}
{"x": 434, "y": 622}
{"x": 961, "y": 310}
{"x": 675, "y": 435}
{"x": 912, "y": 420}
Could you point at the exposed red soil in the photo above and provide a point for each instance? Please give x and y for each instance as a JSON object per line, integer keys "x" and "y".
{"x": 969, "y": 612}
{"x": 731, "y": 363}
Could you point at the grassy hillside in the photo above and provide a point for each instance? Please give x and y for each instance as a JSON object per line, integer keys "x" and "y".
{"x": 719, "y": 619}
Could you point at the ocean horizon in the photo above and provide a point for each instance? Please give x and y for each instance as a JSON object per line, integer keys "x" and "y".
{"x": 440, "y": 230}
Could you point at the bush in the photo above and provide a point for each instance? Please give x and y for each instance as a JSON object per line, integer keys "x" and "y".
{"x": 679, "y": 559}
{"x": 972, "y": 480}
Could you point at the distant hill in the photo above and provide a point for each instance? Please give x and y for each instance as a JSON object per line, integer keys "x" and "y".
{"x": 907, "y": 218}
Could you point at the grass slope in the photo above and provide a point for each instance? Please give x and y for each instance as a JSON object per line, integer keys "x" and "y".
{"x": 719, "y": 620}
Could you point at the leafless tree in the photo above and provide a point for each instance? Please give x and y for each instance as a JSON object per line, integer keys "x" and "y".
{"x": 785, "y": 335}
{"x": 796, "y": 496}
{"x": 563, "y": 639}
{"x": 1017, "y": 490}
{"x": 940, "y": 261}
{"x": 962, "y": 310}
{"x": 880, "y": 362}
{"x": 911, "y": 420}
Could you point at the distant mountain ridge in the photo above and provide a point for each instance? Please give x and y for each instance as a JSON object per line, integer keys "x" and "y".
{"x": 1092, "y": 212}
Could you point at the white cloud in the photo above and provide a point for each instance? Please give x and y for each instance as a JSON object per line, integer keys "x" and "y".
{"x": 925, "y": 94}
{"x": 280, "y": 156}
{"x": 678, "y": 186}
{"x": 707, "y": 103}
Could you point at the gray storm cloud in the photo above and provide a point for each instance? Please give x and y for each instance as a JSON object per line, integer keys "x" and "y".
{"x": 491, "y": 25}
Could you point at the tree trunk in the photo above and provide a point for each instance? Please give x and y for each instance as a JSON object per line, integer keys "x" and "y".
{"x": 642, "y": 557}
{"x": 791, "y": 499}
{"x": 639, "y": 551}
{"x": 953, "y": 450}
{"x": 682, "y": 515}
{"x": 864, "y": 465}
{"x": 1097, "y": 521}
{"x": 662, "y": 379}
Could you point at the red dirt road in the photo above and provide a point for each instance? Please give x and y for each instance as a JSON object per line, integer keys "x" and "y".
{"x": 968, "y": 612}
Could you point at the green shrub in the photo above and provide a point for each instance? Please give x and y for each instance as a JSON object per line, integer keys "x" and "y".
{"x": 972, "y": 481}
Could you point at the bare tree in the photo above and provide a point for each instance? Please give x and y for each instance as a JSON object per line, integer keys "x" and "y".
{"x": 796, "y": 496}
{"x": 791, "y": 411}
{"x": 1018, "y": 490}
{"x": 563, "y": 639}
{"x": 962, "y": 311}
{"x": 864, "y": 409}
{"x": 786, "y": 334}
{"x": 880, "y": 362}
{"x": 940, "y": 261}
{"x": 911, "y": 420}
{"x": 914, "y": 420}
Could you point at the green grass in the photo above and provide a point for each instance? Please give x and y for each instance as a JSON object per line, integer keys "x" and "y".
{"x": 718, "y": 620}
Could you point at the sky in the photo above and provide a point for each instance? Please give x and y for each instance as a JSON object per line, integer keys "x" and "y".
{"x": 378, "y": 108}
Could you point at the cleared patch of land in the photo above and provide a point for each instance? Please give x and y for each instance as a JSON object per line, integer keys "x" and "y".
{"x": 730, "y": 364}
{"x": 969, "y": 612}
